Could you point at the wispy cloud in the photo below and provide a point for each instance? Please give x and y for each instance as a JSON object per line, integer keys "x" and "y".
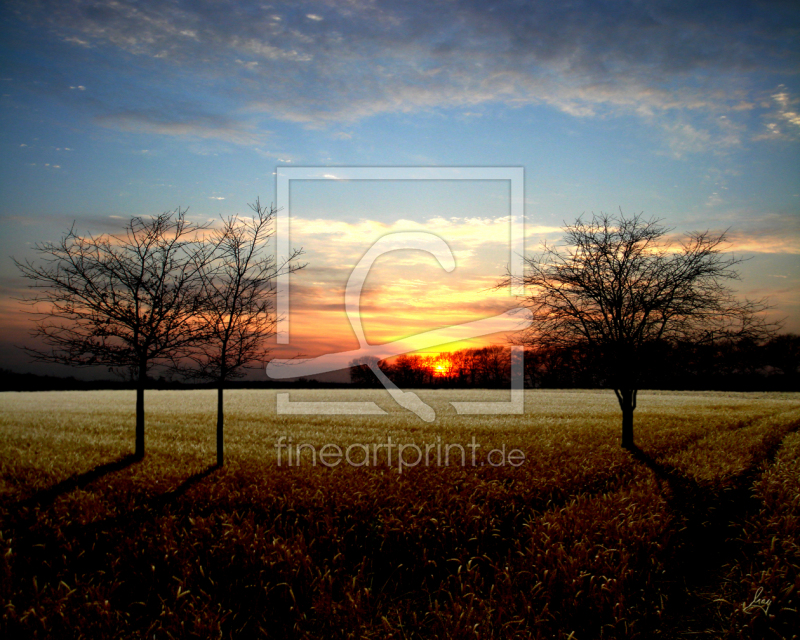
{"x": 783, "y": 119}
{"x": 204, "y": 127}
{"x": 407, "y": 291}
{"x": 767, "y": 233}
{"x": 325, "y": 63}
{"x": 765, "y": 243}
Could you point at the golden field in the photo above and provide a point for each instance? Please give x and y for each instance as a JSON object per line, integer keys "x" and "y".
{"x": 696, "y": 534}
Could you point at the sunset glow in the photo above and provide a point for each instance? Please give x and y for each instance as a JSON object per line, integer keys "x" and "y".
{"x": 114, "y": 110}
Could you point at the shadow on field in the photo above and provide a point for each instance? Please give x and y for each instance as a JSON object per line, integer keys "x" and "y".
{"x": 169, "y": 497}
{"x": 708, "y": 509}
{"x": 22, "y": 519}
{"x": 702, "y": 545}
{"x": 705, "y": 541}
{"x": 681, "y": 486}
{"x": 47, "y": 496}
{"x": 45, "y": 547}
{"x": 136, "y": 517}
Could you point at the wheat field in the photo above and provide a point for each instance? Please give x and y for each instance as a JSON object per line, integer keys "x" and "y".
{"x": 694, "y": 535}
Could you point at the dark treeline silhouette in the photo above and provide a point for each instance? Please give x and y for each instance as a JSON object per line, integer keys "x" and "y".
{"x": 13, "y": 381}
{"x": 486, "y": 367}
{"x": 742, "y": 365}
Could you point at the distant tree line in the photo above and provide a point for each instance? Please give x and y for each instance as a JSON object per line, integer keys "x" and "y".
{"x": 14, "y": 381}
{"x": 730, "y": 365}
{"x": 725, "y": 365}
{"x": 486, "y": 367}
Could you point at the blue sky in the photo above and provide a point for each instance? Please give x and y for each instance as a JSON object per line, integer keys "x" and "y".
{"x": 689, "y": 113}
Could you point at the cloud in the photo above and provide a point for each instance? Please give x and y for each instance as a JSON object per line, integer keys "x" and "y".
{"x": 406, "y": 291}
{"x": 204, "y": 127}
{"x": 714, "y": 200}
{"x": 247, "y": 65}
{"x": 785, "y": 103}
{"x": 783, "y": 120}
{"x": 777, "y": 233}
{"x": 325, "y": 63}
{"x": 685, "y": 139}
{"x": 765, "y": 243}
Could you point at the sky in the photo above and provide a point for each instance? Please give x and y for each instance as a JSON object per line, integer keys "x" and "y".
{"x": 687, "y": 112}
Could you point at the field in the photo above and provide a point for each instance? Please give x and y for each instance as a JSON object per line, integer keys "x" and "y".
{"x": 695, "y": 535}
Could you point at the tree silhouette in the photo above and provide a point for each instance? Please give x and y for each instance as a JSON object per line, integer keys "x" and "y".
{"x": 123, "y": 301}
{"x": 618, "y": 287}
{"x": 235, "y": 302}
{"x": 361, "y": 373}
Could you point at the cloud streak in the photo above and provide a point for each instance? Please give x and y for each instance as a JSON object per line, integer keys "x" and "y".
{"x": 203, "y": 127}
{"x": 407, "y": 292}
{"x": 320, "y": 63}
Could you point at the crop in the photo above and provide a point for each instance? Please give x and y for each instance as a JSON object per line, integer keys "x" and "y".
{"x": 582, "y": 540}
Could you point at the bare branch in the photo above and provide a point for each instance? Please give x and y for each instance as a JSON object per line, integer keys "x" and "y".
{"x": 236, "y": 298}
{"x": 126, "y": 302}
{"x": 616, "y": 287}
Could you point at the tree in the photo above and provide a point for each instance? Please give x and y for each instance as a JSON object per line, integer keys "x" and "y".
{"x": 235, "y": 307}
{"x": 783, "y": 353}
{"x": 122, "y": 301}
{"x": 492, "y": 364}
{"x": 618, "y": 288}
{"x": 361, "y": 371}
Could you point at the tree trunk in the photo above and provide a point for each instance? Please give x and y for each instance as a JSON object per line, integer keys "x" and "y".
{"x": 220, "y": 423}
{"x": 140, "y": 385}
{"x": 627, "y": 402}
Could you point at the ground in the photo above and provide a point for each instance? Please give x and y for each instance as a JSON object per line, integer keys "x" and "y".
{"x": 692, "y": 535}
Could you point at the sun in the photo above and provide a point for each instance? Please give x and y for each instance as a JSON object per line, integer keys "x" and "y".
{"x": 442, "y": 368}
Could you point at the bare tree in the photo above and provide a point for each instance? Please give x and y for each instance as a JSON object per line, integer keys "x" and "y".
{"x": 618, "y": 287}
{"x": 122, "y": 301}
{"x": 235, "y": 303}
{"x": 361, "y": 373}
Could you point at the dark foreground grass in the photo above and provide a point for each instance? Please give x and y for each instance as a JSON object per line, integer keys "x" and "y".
{"x": 584, "y": 540}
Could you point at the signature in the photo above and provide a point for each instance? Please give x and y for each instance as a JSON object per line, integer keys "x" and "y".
{"x": 758, "y": 603}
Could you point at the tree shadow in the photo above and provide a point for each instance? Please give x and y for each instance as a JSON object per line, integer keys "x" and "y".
{"x": 170, "y": 497}
{"x": 149, "y": 509}
{"x": 708, "y": 508}
{"x": 46, "y": 497}
{"x": 704, "y": 540}
{"x": 678, "y": 483}
{"x": 139, "y": 515}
